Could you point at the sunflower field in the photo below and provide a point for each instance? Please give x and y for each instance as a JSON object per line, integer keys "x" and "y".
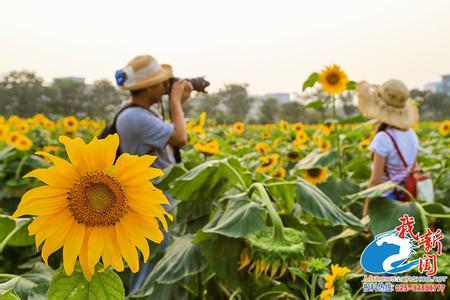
{"x": 267, "y": 211}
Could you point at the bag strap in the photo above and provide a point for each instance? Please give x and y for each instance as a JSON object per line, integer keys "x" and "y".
{"x": 397, "y": 148}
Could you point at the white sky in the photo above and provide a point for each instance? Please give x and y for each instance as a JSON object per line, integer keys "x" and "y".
{"x": 272, "y": 45}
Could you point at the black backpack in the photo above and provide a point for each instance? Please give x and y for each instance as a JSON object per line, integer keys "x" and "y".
{"x": 111, "y": 129}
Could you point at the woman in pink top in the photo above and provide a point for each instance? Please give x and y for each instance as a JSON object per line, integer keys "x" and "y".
{"x": 395, "y": 145}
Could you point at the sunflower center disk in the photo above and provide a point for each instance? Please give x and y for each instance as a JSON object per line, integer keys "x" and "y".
{"x": 314, "y": 172}
{"x": 97, "y": 199}
{"x": 332, "y": 78}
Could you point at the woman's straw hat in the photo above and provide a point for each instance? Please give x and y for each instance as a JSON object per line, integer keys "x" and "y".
{"x": 388, "y": 103}
{"x": 141, "y": 72}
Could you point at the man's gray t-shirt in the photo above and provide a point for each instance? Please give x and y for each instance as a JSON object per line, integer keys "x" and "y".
{"x": 142, "y": 132}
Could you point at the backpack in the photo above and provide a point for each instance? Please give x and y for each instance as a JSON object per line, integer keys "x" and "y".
{"x": 416, "y": 182}
{"x": 111, "y": 129}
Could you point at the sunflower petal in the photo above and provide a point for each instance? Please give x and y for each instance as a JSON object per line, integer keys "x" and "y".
{"x": 135, "y": 237}
{"x": 72, "y": 246}
{"x": 95, "y": 246}
{"x": 127, "y": 249}
{"x": 55, "y": 241}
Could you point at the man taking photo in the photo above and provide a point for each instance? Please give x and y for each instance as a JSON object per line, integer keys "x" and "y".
{"x": 142, "y": 131}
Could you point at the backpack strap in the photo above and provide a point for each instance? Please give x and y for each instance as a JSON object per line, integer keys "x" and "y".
{"x": 397, "y": 148}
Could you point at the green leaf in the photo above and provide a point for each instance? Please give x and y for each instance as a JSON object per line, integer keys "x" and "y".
{"x": 182, "y": 259}
{"x": 384, "y": 214}
{"x": 170, "y": 174}
{"x": 208, "y": 180}
{"x": 351, "y": 85}
{"x": 8, "y": 295}
{"x": 282, "y": 194}
{"x": 316, "y": 159}
{"x": 317, "y": 104}
{"x": 373, "y": 192}
{"x": 337, "y": 188}
{"x": 30, "y": 285}
{"x": 312, "y": 79}
{"x": 314, "y": 202}
{"x": 240, "y": 218}
{"x": 104, "y": 285}
{"x": 6, "y": 226}
{"x": 220, "y": 252}
{"x": 14, "y": 232}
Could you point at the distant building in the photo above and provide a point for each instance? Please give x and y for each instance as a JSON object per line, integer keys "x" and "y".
{"x": 439, "y": 87}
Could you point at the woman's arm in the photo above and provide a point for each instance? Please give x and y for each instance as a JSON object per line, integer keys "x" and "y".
{"x": 376, "y": 177}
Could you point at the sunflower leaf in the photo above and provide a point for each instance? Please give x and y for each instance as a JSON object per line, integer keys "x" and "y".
{"x": 32, "y": 284}
{"x": 384, "y": 214}
{"x": 104, "y": 285}
{"x": 351, "y": 85}
{"x": 315, "y": 203}
{"x": 209, "y": 180}
{"x": 182, "y": 259}
{"x": 312, "y": 79}
{"x": 317, "y": 104}
{"x": 316, "y": 159}
{"x": 240, "y": 218}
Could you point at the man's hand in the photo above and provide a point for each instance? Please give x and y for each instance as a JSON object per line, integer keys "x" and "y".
{"x": 181, "y": 90}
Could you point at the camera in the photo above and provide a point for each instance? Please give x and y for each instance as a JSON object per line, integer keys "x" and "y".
{"x": 199, "y": 84}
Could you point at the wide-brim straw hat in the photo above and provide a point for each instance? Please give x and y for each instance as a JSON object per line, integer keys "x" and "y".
{"x": 141, "y": 72}
{"x": 388, "y": 103}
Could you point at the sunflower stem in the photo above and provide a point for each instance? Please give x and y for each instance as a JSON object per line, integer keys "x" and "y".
{"x": 278, "y": 234}
{"x": 312, "y": 295}
{"x": 338, "y": 142}
{"x": 20, "y": 166}
{"x": 238, "y": 176}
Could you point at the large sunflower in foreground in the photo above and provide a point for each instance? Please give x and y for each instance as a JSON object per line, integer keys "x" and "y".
{"x": 315, "y": 175}
{"x": 95, "y": 209}
{"x": 333, "y": 80}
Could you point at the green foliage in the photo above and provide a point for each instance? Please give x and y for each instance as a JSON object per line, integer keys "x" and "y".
{"x": 30, "y": 285}
{"x": 104, "y": 285}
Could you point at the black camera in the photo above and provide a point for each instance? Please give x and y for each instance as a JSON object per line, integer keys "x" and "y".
{"x": 199, "y": 84}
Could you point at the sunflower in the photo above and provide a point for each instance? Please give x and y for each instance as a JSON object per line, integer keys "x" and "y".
{"x": 444, "y": 127}
{"x": 94, "y": 209}
{"x": 283, "y": 125}
{"x": 280, "y": 173}
{"x": 48, "y": 124}
{"x": 262, "y": 148}
{"x": 238, "y": 127}
{"x": 333, "y": 80}
{"x": 315, "y": 175}
{"x": 269, "y": 127}
{"x": 70, "y": 124}
{"x": 23, "y": 127}
{"x": 39, "y": 117}
{"x": 12, "y": 138}
{"x": 337, "y": 273}
{"x": 293, "y": 156}
{"x": 267, "y": 162}
{"x": 23, "y": 143}
{"x": 324, "y": 145}
{"x": 364, "y": 145}
{"x": 265, "y": 135}
{"x": 3, "y": 131}
{"x": 210, "y": 147}
{"x": 270, "y": 255}
{"x": 298, "y": 127}
{"x": 301, "y": 137}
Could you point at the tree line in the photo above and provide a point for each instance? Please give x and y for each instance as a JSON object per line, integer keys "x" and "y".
{"x": 24, "y": 93}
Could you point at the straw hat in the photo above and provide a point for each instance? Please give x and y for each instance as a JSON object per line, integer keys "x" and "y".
{"x": 388, "y": 103}
{"x": 141, "y": 72}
